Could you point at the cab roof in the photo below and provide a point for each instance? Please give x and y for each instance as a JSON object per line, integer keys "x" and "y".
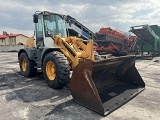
{"x": 48, "y": 12}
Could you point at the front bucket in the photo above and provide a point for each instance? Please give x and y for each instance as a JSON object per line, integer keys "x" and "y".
{"x": 105, "y": 85}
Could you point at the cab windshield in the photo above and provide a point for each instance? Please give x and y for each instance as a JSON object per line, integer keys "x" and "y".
{"x": 54, "y": 25}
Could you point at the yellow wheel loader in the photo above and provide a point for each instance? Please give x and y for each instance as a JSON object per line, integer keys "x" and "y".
{"x": 101, "y": 85}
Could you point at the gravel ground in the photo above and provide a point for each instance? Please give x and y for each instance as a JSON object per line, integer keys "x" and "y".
{"x": 31, "y": 99}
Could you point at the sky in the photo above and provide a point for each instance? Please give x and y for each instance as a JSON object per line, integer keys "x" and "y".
{"x": 16, "y": 15}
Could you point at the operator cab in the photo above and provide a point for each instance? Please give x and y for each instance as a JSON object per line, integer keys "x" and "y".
{"x": 47, "y": 25}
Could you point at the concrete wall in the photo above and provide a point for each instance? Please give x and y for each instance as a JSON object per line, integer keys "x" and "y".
{"x": 7, "y": 40}
{"x": 14, "y": 40}
{"x": 7, "y": 48}
{"x": 2, "y": 41}
{"x": 21, "y": 39}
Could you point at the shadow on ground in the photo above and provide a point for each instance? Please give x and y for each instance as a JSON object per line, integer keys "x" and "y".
{"x": 43, "y": 101}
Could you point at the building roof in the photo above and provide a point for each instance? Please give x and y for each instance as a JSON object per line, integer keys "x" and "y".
{"x": 3, "y": 36}
{"x": 14, "y": 35}
{"x": 10, "y": 35}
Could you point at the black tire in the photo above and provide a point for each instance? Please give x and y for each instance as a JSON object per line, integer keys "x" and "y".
{"x": 97, "y": 56}
{"x": 30, "y": 69}
{"x": 61, "y": 70}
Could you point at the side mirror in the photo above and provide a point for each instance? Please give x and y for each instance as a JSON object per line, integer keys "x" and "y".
{"x": 35, "y": 18}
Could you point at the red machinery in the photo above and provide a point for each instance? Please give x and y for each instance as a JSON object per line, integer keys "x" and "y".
{"x": 113, "y": 41}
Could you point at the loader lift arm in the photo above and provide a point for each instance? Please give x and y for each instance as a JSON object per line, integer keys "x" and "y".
{"x": 74, "y": 49}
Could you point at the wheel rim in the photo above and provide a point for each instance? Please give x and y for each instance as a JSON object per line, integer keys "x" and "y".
{"x": 51, "y": 70}
{"x": 24, "y": 65}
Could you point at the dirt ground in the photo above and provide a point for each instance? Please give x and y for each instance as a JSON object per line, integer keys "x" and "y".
{"x": 31, "y": 99}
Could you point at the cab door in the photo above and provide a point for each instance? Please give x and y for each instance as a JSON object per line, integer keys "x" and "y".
{"x": 39, "y": 34}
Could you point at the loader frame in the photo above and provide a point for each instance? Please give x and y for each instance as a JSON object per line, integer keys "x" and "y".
{"x": 56, "y": 54}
